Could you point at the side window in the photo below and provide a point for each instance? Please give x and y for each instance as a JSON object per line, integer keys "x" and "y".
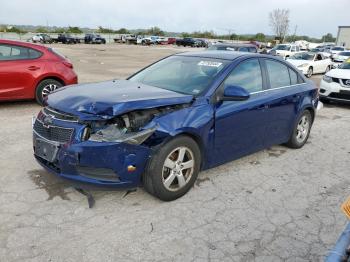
{"x": 298, "y": 48}
{"x": 293, "y": 77}
{"x": 247, "y": 75}
{"x": 252, "y": 49}
{"x": 10, "y": 52}
{"x": 243, "y": 49}
{"x": 33, "y": 53}
{"x": 278, "y": 74}
{"x": 293, "y": 48}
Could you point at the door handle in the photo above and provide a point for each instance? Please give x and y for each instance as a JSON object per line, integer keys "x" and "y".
{"x": 33, "y": 68}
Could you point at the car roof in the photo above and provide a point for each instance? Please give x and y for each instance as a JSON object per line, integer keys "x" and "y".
{"x": 235, "y": 45}
{"x": 21, "y": 43}
{"x": 224, "y": 55}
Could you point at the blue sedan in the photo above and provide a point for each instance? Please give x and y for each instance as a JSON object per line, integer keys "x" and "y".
{"x": 185, "y": 113}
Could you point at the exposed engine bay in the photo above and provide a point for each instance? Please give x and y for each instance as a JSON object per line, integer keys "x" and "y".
{"x": 127, "y": 126}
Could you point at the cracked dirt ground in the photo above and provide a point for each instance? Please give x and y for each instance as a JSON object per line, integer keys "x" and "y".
{"x": 276, "y": 205}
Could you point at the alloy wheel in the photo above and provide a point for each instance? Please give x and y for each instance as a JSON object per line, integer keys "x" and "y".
{"x": 302, "y": 129}
{"x": 309, "y": 72}
{"x": 178, "y": 168}
{"x": 48, "y": 89}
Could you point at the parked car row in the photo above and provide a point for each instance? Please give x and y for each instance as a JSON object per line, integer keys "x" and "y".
{"x": 66, "y": 38}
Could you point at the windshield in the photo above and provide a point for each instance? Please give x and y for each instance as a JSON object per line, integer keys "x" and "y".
{"x": 182, "y": 74}
{"x": 345, "y": 65}
{"x": 303, "y": 56}
{"x": 282, "y": 47}
{"x": 344, "y": 53}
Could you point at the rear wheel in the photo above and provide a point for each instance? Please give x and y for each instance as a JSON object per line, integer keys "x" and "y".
{"x": 301, "y": 131}
{"x": 174, "y": 168}
{"x": 44, "y": 88}
{"x": 328, "y": 68}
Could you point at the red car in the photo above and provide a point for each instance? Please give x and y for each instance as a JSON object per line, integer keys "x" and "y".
{"x": 30, "y": 71}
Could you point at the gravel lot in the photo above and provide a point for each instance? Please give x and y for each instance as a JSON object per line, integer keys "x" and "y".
{"x": 275, "y": 205}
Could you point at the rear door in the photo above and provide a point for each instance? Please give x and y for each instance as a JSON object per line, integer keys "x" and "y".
{"x": 240, "y": 125}
{"x": 284, "y": 97}
{"x": 18, "y": 70}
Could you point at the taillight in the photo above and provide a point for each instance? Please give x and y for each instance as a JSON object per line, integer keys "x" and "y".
{"x": 67, "y": 64}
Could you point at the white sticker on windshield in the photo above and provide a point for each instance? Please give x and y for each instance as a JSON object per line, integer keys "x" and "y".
{"x": 195, "y": 91}
{"x": 209, "y": 63}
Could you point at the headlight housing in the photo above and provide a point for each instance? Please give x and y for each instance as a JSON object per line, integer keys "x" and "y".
{"x": 114, "y": 134}
{"x": 327, "y": 79}
{"x": 303, "y": 65}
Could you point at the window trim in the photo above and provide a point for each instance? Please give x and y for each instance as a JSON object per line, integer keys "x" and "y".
{"x": 218, "y": 93}
{"x": 21, "y": 46}
{"x": 300, "y": 79}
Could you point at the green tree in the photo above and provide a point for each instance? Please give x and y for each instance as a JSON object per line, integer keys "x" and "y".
{"x": 122, "y": 31}
{"x": 14, "y": 29}
{"x": 104, "y": 30}
{"x": 260, "y": 37}
{"x": 58, "y": 30}
{"x": 41, "y": 30}
{"x": 74, "y": 30}
{"x": 328, "y": 38}
{"x": 155, "y": 31}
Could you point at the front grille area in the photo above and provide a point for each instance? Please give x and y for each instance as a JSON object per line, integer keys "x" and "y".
{"x": 345, "y": 82}
{"x": 59, "y": 115}
{"x": 340, "y": 95}
{"x": 336, "y": 80}
{"x": 53, "y": 133}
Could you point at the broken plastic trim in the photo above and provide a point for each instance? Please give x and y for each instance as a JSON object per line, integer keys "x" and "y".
{"x": 134, "y": 138}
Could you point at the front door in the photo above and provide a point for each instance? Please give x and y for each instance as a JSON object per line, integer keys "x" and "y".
{"x": 240, "y": 125}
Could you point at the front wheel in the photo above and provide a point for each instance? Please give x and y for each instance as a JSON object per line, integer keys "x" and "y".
{"x": 44, "y": 88}
{"x": 173, "y": 169}
{"x": 327, "y": 69}
{"x": 309, "y": 73}
{"x": 301, "y": 131}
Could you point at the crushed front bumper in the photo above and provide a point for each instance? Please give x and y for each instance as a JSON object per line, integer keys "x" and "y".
{"x": 98, "y": 163}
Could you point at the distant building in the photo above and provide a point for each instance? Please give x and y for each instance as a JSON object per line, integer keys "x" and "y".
{"x": 343, "y": 37}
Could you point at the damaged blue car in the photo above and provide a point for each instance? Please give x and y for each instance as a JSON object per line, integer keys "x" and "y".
{"x": 185, "y": 113}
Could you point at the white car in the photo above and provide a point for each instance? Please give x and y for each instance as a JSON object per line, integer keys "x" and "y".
{"x": 285, "y": 50}
{"x": 341, "y": 57}
{"x": 37, "y": 38}
{"x": 335, "y": 85}
{"x": 310, "y": 63}
{"x": 336, "y": 50}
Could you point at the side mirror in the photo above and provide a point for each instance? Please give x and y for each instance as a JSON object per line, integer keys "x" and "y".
{"x": 235, "y": 93}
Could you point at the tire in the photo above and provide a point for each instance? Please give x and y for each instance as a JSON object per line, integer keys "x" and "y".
{"x": 301, "y": 130}
{"x": 169, "y": 183}
{"x": 44, "y": 88}
{"x": 310, "y": 72}
{"x": 327, "y": 69}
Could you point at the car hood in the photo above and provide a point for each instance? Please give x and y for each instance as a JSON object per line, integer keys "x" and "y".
{"x": 339, "y": 73}
{"x": 298, "y": 62}
{"x": 107, "y": 99}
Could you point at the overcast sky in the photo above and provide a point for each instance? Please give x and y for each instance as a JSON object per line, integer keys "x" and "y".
{"x": 313, "y": 18}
